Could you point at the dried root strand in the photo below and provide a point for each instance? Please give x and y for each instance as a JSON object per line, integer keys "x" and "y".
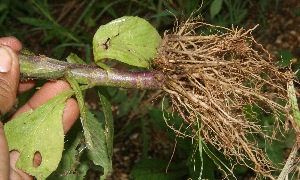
{"x": 213, "y": 77}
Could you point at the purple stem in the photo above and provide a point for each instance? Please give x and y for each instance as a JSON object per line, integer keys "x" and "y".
{"x": 42, "y": 67}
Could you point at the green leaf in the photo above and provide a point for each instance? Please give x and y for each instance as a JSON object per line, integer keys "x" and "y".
{"x": 275, "y": 152}
{"x": 96, "y": 143}
{"x": 200, "y": 146}
{"x": 109, "y": 122}
{"x": 43, "y": 8}
{"x": 215, "y": 8}
{"x": 128, "y": 39}
{"x": 75, "y": 86}
{"x": 294, "y": 103}
{"x": 152, "y": 169}
{"x": 44, "y": 24}
{"x": 297, "y": 12}
{"x": 73, "y": 58}
{"x": 69, "y": 166}
{"x": 96, "y": 137}
{"x": 109, "y": 128}
{"x": 39, "y": 131}
{"x": 286, "y": 57}
{"x": 38, "y": 23}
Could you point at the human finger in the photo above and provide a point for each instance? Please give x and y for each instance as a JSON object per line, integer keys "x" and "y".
{"x": 11, "y": 42}
{"x": 9, "y": 78}
{"x": 25, "y": 86}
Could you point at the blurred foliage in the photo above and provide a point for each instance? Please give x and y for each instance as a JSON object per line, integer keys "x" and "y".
{"x": 56, "y": 28}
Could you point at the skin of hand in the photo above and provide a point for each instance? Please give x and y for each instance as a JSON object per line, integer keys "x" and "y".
{"x": 10, "y": 87}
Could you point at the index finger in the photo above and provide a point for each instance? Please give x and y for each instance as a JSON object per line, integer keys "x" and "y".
{"x": 12, "y": 42}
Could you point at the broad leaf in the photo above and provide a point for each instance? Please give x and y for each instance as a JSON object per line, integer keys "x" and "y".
{"x": 128, "y": 39}
{"x": 39, "y": 131}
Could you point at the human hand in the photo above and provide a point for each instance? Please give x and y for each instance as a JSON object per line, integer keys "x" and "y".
{"x": 10, "y": 87}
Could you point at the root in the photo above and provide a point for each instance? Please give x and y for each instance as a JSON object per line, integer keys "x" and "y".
{"x": 213, "y": 77}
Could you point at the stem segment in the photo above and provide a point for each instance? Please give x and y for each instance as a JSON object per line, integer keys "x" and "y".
{"x": 42, "y": 67}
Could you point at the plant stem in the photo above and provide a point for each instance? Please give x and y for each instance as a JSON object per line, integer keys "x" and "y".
{"x": 42, "y": 67}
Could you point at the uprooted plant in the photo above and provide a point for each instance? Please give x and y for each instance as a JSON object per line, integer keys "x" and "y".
{"x": 210, "y": 74}
{"x": 211, "y": 80}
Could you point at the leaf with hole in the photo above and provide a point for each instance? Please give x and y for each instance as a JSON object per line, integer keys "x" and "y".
{"x": 131, "y": 40}
{"x": 39, "y": 131}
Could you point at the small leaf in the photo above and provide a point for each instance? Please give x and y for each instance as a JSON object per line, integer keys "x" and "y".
{"x": 294, "y": 103}
{"x": 73, "y": 58}
{"x": 286, "y": 58}
{"x": 128, "y": 39}
{"x": 215, "y": 8}
{"x": 39, "y": 131}
{"x": 297, "y": 12}
{"x": 275, "y": 152}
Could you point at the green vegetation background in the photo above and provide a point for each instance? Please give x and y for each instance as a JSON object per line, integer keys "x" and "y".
{"x": 56, "y": 28}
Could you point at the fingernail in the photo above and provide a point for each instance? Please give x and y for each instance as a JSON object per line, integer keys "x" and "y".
{"x": 5, "y": 60}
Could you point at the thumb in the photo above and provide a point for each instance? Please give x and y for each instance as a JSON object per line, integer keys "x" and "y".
{"x": 9, "y": 78}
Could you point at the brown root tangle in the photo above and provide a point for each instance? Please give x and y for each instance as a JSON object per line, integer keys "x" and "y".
{"x": 212, "y": 77}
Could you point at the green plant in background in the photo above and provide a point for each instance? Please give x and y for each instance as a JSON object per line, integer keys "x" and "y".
{"x": 39, "y": 15}
{"x": 68, "y": 30}
{"x": 236, "y": 12}
{"x": 74, "y": 34}
{"x": 27, "y": 13}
